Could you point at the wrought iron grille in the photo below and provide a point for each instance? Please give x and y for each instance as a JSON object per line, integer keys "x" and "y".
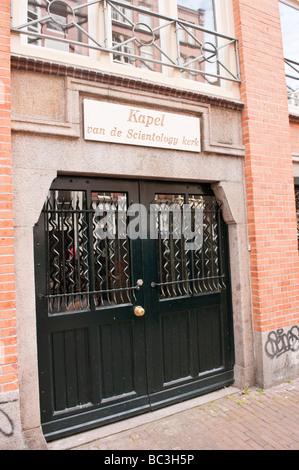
{"x": 89, "y": 260}
{"x": 184, "y": 271}
{"x": 85, "y": 268}
{"x": 292, "y": 76}
{"x": 65, "y": 24}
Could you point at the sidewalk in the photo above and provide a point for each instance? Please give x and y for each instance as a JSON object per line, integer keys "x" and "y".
{"x": 232, "y": 420}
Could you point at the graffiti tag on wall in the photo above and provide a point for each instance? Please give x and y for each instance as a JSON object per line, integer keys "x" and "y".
{"x": 280, "y": 342}
{"x": 6, "y": 423}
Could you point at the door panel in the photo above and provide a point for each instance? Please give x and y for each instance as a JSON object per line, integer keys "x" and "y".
{"x": 175, "y": 338}
{"x": 91, "y": 348}
{"x": 192, "y": 343}
{"x": 188, "y": 331}
{"x": 70, "y": 367}
{"x": 98, "y": 362}
{"x": 118, "y": 371}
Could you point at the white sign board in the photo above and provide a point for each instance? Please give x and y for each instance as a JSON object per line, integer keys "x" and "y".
{"x": 109, "y": 122}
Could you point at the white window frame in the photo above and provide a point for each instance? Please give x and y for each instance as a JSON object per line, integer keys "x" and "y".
{"x": 144, "y": 18}
{"x": 116, "y": 16}
{"x": 293, "y": 101}
{"x": 104, "y": 61}
{"x": 34, "y": 16}
{"x": 146, "y": 52}
{"x": 126, "y": 48}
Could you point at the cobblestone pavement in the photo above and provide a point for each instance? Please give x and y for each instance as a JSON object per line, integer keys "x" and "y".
{"x": 249, "y": 420}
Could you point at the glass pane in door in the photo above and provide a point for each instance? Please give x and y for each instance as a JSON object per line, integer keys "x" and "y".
{"x": 66, "y": 227}
{"x": 188, "y": 244}
{"x": 173, "y": 271}
{"x": 111, "y": 249}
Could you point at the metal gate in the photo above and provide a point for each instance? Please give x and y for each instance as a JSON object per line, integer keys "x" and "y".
{"x": 133, "y": 300}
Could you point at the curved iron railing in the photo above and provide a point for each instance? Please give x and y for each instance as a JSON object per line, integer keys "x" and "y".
{"x": 292, "y": 76}
{"x": 199, "y": 56}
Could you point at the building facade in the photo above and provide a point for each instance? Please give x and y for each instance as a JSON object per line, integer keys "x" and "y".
{"x": 149, "y": 207}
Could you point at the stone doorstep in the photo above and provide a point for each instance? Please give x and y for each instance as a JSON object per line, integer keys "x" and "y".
{"x": 115, "y": 428}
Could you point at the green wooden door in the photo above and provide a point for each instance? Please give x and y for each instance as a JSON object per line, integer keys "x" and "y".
{"x": 189, "y": 321}
{"x": 102, "y": 248}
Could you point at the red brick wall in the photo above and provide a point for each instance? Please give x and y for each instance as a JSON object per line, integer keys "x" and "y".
{"x": 8, "y": 351}
{"x": 268, "y": 166}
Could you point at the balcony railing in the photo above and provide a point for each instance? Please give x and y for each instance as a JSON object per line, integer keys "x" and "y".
{"x": 292, "y": 76}
{"x": 202, "y": 55}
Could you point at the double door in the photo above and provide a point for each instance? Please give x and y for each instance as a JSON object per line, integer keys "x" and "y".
{"x": 133, "y": 300}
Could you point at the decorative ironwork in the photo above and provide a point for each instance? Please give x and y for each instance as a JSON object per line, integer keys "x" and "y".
{"x": 292, "y": 76}
{"x": 88, "y": 249}
{"x": 85, "y": 268}
{"x": 132, "y": 41}
{"x": 184, "y": 271}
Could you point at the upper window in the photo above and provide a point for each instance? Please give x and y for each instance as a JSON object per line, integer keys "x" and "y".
{"x": 56, "y": 24}
{"x": 139, "y": 34}
{"x": 289, "y": 16}
{"x": 32, "y": 16}
{"x": 198, "y": 47}
{"x": 121, "y": 14}
{"x": 205, "y": 9}
{"x": 59, "y": 17}
{"x": 145, "y": 20}
{"x": 176, "y": 37}
{"x": 122, "y": 48}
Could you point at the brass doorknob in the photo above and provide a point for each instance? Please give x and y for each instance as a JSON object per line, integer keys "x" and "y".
{"x": 139, "y": 311}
